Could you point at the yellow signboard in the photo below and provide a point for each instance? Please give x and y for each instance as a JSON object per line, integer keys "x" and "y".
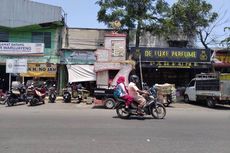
{"x": 40, "y": 70}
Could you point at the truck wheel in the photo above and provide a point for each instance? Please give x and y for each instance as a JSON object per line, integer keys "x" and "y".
{"x": 109, "y": 103}
{"x": 211, "y": 102}
{"x": 186, "y": 99}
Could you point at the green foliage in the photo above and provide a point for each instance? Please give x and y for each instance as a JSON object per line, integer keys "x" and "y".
{"x": 226, "y": 41}
{"x": 189, "y": 16}
{"x": 141, "y": 15}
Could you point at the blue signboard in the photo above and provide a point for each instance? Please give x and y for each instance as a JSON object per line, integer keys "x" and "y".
{"x": 171, "y": 54}
{"x": 78, "y": 57}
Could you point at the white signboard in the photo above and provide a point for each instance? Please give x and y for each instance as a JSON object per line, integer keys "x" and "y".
{"x": 13, "y": 48}
{"x": 16, "y": 65}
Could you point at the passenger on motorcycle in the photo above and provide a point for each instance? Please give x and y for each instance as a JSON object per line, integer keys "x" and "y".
{"x": 135, "y": 92}
{"x": 124, "y": 92}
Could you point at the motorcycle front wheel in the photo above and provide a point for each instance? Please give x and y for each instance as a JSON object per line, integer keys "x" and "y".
{"x": 52, "y": 98}
{"x": 159, "y": 111}
{"x": 10, "y": 102}
{"x": 122, "y": 113}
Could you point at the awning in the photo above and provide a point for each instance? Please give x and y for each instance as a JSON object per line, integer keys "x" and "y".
{"x": 80, "y": 73}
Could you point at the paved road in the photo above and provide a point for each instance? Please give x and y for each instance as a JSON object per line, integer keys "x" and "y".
{"x": 80, "y": 128}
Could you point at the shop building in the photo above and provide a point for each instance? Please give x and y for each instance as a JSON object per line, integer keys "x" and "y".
{"x": 32, "y": 31}
{"x": 170, "y": 65}
{"x": 92, "y": 57}
{"x": 78, "y": 56}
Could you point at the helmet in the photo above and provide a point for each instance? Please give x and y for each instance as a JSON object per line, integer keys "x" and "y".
{"x": 134, "y": 78}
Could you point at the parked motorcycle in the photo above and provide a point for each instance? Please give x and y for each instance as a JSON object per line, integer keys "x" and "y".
{"x": 152, "y": 107}
{"x": 80, "y": 94}
{"x": 67, "y": 94}
{"x": 52, "y": 94}
{"x": 16, "y": 95}
{"x": 3, "y": 97}
{"x": 36, "y": 95}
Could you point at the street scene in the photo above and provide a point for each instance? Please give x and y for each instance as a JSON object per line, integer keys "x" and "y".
{"x": 71, "y": 127}
{"x": 145, "y": 76}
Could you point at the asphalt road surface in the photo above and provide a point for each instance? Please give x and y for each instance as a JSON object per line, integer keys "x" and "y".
{"x": 80, "y": 128}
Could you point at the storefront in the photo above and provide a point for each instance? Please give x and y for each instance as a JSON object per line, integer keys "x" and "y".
{"x": 170, "y": 65}
{"x": 44, "y": 71}
{"x": 78, "y": 67}
{"x": 221, "y": 61}
{"x": 38, "y": 64}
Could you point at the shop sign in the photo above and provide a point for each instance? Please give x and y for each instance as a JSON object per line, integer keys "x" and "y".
{"x": 221, "y": 56}
{"x": 16, "y": 65}
{"x": 41, "y": 70}
{"x": 79, "y": 57}
{"x": 174, "y": 64}
{"x": 171, "y": 54}
{"x": 14, "y": 48}
{"x": 118, "y": 48}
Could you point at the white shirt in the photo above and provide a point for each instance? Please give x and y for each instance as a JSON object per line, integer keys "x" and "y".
{"x": 132, "y": 89}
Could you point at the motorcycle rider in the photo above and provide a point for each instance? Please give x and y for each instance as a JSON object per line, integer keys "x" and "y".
{"x": 135, "y": 92}
{"x": 124, "y": 92}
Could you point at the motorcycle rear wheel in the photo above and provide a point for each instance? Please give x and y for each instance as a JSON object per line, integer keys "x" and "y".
{"x": 34, "y": 101}
{"x": 159, "y": 111}
{"x": 122, "y": 113}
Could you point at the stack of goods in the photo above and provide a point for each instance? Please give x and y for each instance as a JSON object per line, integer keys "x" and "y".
{"x": 166, "y": 89}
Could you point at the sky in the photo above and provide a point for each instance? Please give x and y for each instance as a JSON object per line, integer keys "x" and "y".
{"x": 83, "y": 13}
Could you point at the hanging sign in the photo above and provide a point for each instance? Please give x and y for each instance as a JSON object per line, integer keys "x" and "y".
{"x": 16, "y": 65}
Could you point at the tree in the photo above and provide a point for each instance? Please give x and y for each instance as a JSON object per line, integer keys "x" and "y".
{"x": 226, "y": 41}
{"x": 142, "y": 15}
{"x": 190, "y": 18}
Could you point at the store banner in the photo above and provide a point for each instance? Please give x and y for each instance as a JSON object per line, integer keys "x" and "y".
{"x": 79, "y": 57}
{"x": 81, "y": 73}
{"x": 40, "y": 70}
{"x": 171, "y": 54}
{"x": 14, "y": 48}
{"x": 221, "y": 57}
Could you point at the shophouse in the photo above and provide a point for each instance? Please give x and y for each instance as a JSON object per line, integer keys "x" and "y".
{"x": 78, "y": 55}
{"x": 32, "y": 31}
{"x": 174, "y": 61}
{"x": 93, "y": 57}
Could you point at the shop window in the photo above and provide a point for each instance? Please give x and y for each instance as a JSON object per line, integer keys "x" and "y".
{"x": 4, "y": 36}
{"x": 42, "y": 37}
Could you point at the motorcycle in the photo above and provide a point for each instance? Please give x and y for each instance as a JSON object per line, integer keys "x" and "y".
{"x": 152, "y": 107}
{"x": 166, "y": 99}
{"x": 16, "y": 95}
{"x": 67, "y": 94}
{"x": 36, "y": 95}
{"x": 80, "y": 94}
{"x": 3, "y": 97}
{"x": 52, "y": 94}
